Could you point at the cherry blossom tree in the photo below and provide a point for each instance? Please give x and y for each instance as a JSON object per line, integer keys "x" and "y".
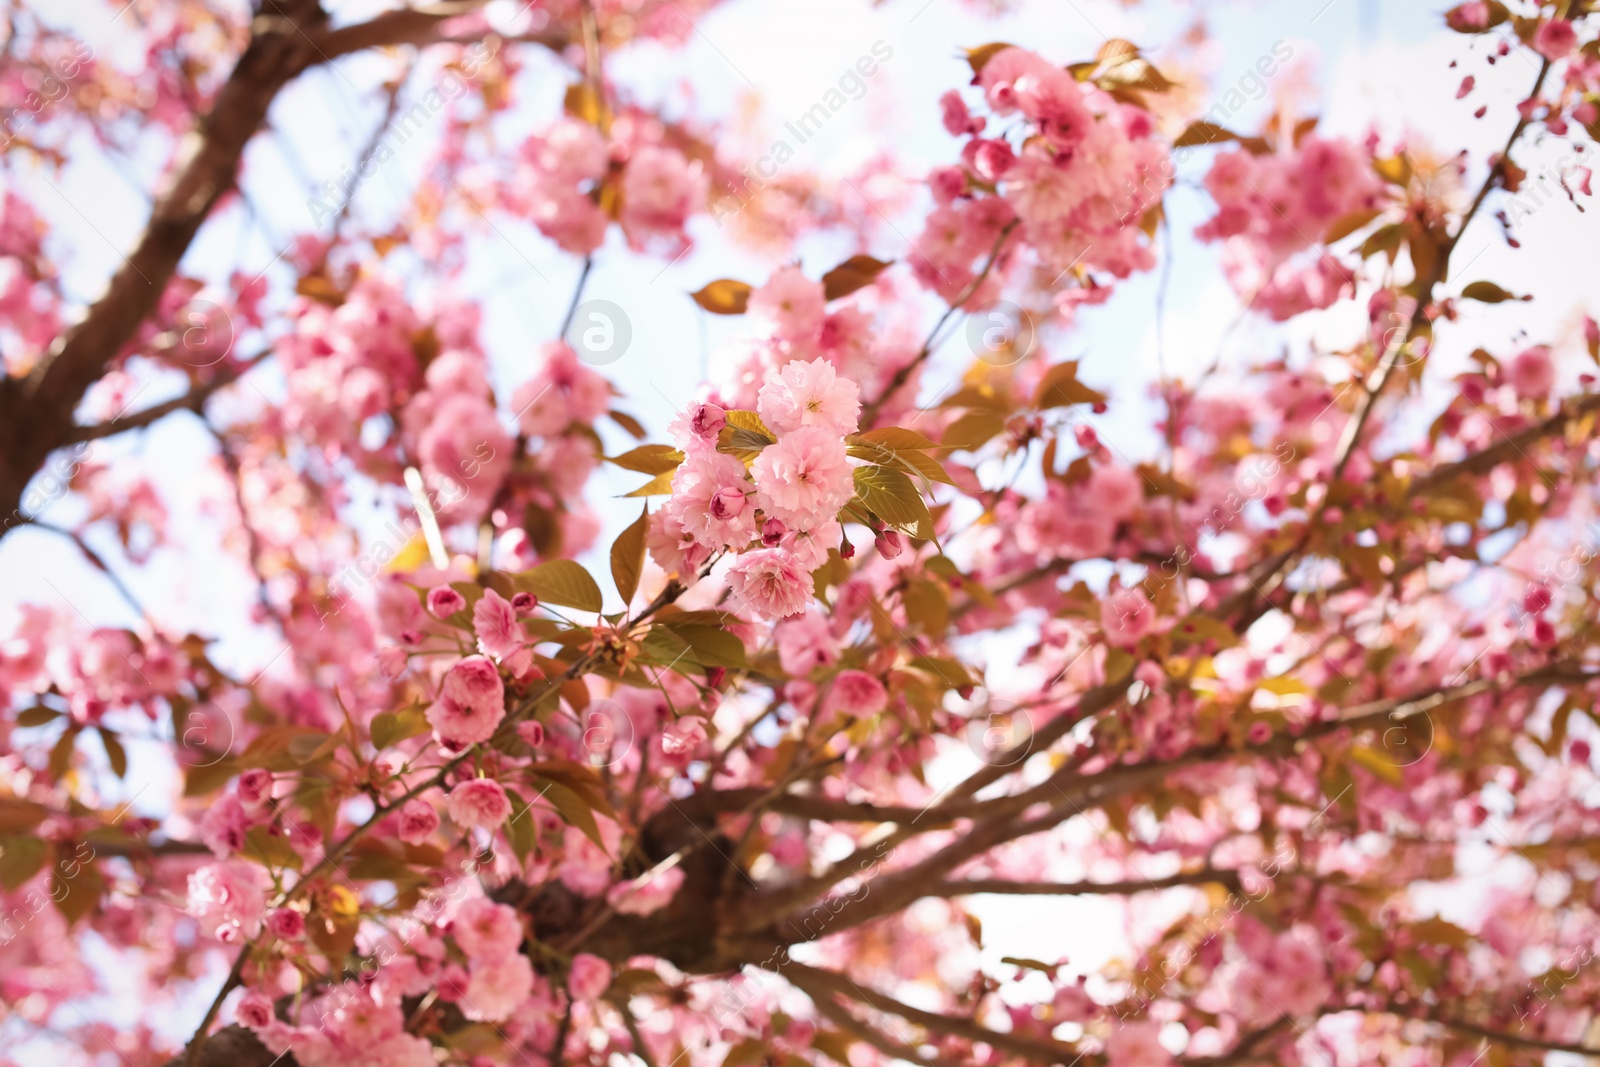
{"x": 734, "y": 781}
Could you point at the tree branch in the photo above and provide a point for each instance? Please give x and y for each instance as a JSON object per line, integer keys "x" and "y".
{"x": 818, "y": 984}
{"x": 975, "y": 886}
{"x": 194, "y": 401}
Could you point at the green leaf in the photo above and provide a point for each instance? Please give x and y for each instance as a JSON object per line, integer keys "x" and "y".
{"x": 1385, "y": 239}
{"x": 857, "y": 272}
{"x": 312, "y": 746}
{"x": 899, "y": 448}
{"x": 627, "y": 557}
{"x": 890, "y": 496}
{"x": 20, "y": 859}
{"x": 978, "y": 58}
{"x": 1061, "y": 388}
{"x": 1379, "y": 764}
{"x": 115, "y": 753}
{"x": 1204, "y": 133}
{"x": 560, "y": 581}
{"x": 896, "y": 437}
{"x": 76, "y": 896}
{"x": 953, "y": 674}
{"x": 37, "y": 716}
{"x": 699, "y": 646}
{"x": 973, "y": 430}
{"x": 208, "y": 778}
{"x": 575, "y": 809}
{"x": 19, "y": 815}
{"x": 1347, "y": 224}
{"x": 724, "y": 297}
{"x": 649, "y": 459}
{"x": 269, "y": 850}
{"x": 389, "y": 728}
{"x": 61, "y": 751}
{"x": 520, "y": 830}
{"x": 1489, "y": 293}
{"x": 629, "y": 423}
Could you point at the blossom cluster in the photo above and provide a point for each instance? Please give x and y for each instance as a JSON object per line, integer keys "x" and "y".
{"x": 570, "y": 174}
{"x": 1274, "y": 210}
{"x": 778, "y": 511}
{"x": 1085, "y": 171}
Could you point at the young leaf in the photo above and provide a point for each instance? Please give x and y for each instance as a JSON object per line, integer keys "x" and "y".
{"x": 649, "y": 459}
{"x": 20, "y": 859}
{"x": 561, "y": 581}
{"x": 36, "y": 716}
{"x": 76, "y": 896}
{"x": 1489, "y": 293}
{"x": 115, "y": 753}
{"x": 627, "y": 557}
{"x": 972, "y": 430}
{"x": 1203, "y": 133}
{"x": 857, "y": 272}
{"x": 890, "y": 495}
{"x": 1060, "y": 388}
{"x": 389, "y": 728}
{"x": 724, "y": 297}
{"x": 978, "y": 58}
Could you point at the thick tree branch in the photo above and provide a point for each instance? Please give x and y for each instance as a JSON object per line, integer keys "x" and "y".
{"x": 38, "y": 411}
{"x": 287, "y": 37}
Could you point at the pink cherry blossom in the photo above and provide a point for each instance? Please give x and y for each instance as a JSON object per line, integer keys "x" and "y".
{"x": 770, "y": 583}
{"x": 418, "y": 821}
{"x": 475, "y": 682}
{"x": 485, "y": 930}
{"x": 805, "y": 478}
{"x": 1126, "y": 616}
{"x": 810, "y": 394}
{"x": 1532, "y": 373}
{"x": 230, "y": 895}
{"x": 494, "y": 621}
{"x": 478, "y": 802}
{"x": 286, "y": 923}
{"x": 714, "y": 501}
{"x": 1137, "y": 1044}
{"x": 790, "y": 305}
{"x": 857, "y": 693}
{"x": 805, "y": 643}
{"x": 496, "y": 987}
{"x": 589, "y": 977}
{"x": 647, "y": 894}
{"x": 1555, "y": 39}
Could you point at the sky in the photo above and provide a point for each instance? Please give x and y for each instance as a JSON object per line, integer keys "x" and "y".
{"x": 1362, "y": 63}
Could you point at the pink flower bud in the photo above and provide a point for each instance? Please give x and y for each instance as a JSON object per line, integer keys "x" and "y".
{"x": 524, "y": 603}
{"x": 728, "y": 504}
{"x": 772, "y": 533}
{"x": 888, "y": 544}
{"x": 444, "y": 602}
{"x": 708, "y": 420}
{"x": 532, "y": 732}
